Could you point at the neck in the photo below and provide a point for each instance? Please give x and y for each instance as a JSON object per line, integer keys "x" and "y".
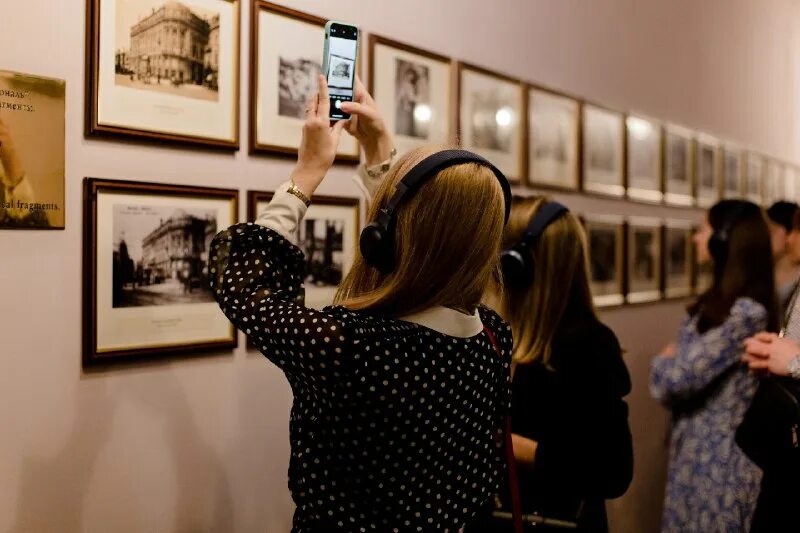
{"x": 786, "y": 271}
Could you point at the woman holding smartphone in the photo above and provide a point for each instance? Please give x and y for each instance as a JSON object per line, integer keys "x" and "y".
{"x": 711, "y": 484}
{"x": 569, "y": 420}
{"x": 400, "y": 390}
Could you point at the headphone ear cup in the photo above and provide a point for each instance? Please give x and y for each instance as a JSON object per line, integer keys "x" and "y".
{"x": 514, "y": 266}
{"x": 376, "y": 247}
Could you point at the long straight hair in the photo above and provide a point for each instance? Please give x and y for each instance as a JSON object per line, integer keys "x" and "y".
{"x": 446, "y": 242}
{"x": 745, "y": 269}
{"x": 559, "y": 289}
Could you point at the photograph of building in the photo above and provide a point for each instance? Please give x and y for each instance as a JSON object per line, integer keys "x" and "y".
{"x": 161, "y": 260}
{"x": 172, "y": 48}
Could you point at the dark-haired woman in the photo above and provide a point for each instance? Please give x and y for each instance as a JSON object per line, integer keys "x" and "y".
{"x": 712, "y": 486}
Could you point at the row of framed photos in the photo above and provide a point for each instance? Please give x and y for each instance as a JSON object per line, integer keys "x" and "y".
{"x": 145, "y": 266}
{"x": 640, "y": 259}
{"x": 169, "y": 71}
{"x": 146, "y": 278}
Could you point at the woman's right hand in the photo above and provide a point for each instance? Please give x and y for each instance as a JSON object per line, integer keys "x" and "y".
{"x": 368, "y": 127}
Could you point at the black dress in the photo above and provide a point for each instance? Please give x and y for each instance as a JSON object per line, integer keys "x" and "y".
{"x": 394, "y": 426}
{"x": 576, "y": 413}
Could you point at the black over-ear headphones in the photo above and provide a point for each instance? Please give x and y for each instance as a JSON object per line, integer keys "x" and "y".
{"x": 517, "y": 261}
{"x": 377, "y": 239}
{"x": 718, "y": 243}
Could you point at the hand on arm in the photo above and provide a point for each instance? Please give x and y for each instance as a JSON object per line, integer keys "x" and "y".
{"x": 766, "y": 352}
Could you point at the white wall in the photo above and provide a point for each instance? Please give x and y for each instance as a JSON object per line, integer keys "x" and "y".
{"x": 202, "y": 444}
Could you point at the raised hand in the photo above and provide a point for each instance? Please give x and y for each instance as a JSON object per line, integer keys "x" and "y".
{"x": 368, "y": 127}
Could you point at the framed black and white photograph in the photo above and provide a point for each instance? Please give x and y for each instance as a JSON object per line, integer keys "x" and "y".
{"x": 678, "y": 167}
{"x": 791, "y": 187}
{"x": 732, "y": 183}
{"x": 644, "y": 159}
{"x": 678, "y": 258}
{"x": 707, "y": 170}
{"x": 164, "y": 70}
{"x": 328, "y": 236}
{"x": 774, "y": 188}
{"x": 32, "y": 166}
{"x": 605, "y": 235}
{"x": 412, "y": 88}
{"x": 644, "y": 260}
{"x": 146, "y": 271}
{"x": 754, "y": 178}
{"x": 490, "y": 118}
{"x": 553, "y": 139}
{"x": 603, "y": 148}
{"x": 285, "y": 62}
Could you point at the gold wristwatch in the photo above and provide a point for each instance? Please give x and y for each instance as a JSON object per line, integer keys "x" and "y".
{"x": 295, "y": 191}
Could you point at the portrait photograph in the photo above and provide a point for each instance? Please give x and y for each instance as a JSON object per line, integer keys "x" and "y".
{"x": 605, "y": 237}
{"x": 165, "y": 70}
{"x": 147, "y": 272}
{"x": 754, "y": 178}
{"x": 412, "y": 89}
{"x": 678, "y": 175}
{"x": 491, "y": 119}
{"x": 328, "y": 236}
{"x": 678, "y": 256}
{"x": 707, "y": 170}
{"x": 644, "y": 260}
{"x": 285, "y": 61}
{"x": 603, "y": 138}
{"x": 553, "y": 133}
{"x": 644, "y": 159}
{"x": 32, "y": 148}
{"x": 732, "y": 173}
{"x": 774, "y": 183}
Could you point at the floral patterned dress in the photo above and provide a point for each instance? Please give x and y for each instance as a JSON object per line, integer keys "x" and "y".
{"x": 712, "y": 486}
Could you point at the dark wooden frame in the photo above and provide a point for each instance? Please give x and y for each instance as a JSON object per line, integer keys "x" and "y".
{"x": 637, "y": 194}
{"x": 94, "y": 186}
{"x": 529, "y": 178}
{"x": 655, "y": 225}
{"x": 701, "y": 140}
{"x": 374, "y": 40}
{"x": 256, "y": 148}
{"x": 670, "y": 293}
{"x": 92, "y": 128}
{"x": 623, "y": 147}
{"x": 673, "y": 199}
{"x": 522, "y": 163}
{"x": 617, "y": 299}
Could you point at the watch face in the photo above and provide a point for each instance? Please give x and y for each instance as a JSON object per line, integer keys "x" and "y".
{"x": 794, "y": 367}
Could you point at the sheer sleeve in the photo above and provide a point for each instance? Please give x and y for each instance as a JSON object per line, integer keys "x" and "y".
{"x": 257, "y": 280}
{"x": 701, "y": 359}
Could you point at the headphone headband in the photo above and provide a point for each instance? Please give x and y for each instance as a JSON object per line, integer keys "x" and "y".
{"x": 435, "y": 163}
{"x": 377, "y": 238}
{"x": 517, "y": 261}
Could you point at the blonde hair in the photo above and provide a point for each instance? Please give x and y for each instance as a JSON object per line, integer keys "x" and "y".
{"x": 560, "y": 285}
{"x": 446, "y": 242}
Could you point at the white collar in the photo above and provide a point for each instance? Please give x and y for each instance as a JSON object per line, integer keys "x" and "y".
{"x": 447, "y": 321}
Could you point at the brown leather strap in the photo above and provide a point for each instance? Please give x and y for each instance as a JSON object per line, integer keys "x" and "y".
{"x": 513, "y": 482}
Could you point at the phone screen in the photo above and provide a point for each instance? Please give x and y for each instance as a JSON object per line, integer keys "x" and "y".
{"x": 342, "y": 50}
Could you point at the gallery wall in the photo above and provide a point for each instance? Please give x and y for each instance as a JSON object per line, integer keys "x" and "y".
{"x": 201, "y": 444}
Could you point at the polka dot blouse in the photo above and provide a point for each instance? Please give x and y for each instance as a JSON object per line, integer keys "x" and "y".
{"x": 394, "y": 426}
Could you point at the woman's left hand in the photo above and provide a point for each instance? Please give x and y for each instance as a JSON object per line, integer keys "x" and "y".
{"x": 768, "y": 352}
{"x": 320, "y": 142}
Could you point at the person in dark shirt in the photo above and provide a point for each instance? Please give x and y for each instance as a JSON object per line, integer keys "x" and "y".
{"x": 569, "y": 420}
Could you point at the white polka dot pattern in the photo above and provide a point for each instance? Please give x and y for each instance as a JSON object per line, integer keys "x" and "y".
{"x": 394, "y": 426}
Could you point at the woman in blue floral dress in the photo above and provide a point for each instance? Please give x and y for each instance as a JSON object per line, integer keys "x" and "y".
{"x": 712, "y": 487}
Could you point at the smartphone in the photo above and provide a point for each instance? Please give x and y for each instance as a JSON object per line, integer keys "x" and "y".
{"x": 339, "y": 65}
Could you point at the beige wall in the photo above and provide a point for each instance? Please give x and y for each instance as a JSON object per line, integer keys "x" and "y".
{"x": 201, "y": 444}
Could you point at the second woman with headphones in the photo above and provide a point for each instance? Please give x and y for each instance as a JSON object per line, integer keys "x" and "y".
{"x": 569, "y": 420}
{"x": 711, "y": 485}
{"x": 401, "y": 390}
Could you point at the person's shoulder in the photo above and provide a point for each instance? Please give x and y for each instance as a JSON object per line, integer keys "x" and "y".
{"x": 746, "y": 307}
{"x": 588, "y": 333}
{"x": 492, "y": 320}
{"x": 591, "y": 349}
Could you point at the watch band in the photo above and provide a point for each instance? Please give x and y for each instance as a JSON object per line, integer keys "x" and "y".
{"x": 794, "y": 367}
{"x": 295, "y": 191}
